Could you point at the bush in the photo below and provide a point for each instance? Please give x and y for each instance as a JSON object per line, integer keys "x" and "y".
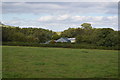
{"x": 61, "y": 45}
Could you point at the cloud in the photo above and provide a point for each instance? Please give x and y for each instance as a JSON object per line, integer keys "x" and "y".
{"x": 63, "y": 17}
{"x": 54, "y": 18}
{"x": 45, "y": 18}
{"x": 60, "y": 0}
{"x": 60, "y": 7}
{"x": 62, "y": 22}
{"x": 76, "y": 18}
{"x": 58, "y": 16}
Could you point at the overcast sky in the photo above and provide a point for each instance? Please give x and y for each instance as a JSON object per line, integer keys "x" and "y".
{"x": 58, "y": 16}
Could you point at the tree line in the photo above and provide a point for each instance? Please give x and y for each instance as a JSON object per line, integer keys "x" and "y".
{"x": 86, "y": 34}
{"x": 98, "y": 36}
{"x": 16, "y": 34}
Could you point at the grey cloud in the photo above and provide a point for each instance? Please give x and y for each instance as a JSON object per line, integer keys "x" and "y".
{"x": 56, "y": 9}
{"x": 60, "y": 7}
{"x": 71, "y": 21}
{"x": 60, "y": 0}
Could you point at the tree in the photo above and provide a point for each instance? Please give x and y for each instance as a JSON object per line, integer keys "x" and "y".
{"x": 31, "y": 38}
{"x": 55, "y": 36}
{"x": 19, "y": 37}
{"x": 71, "y": 32}
{"x": 86, "y": 26}
{"x": 79, "y": 39}
{"x": 42, "y": 36}
{"x": 102, "y": 38}
{"x": 25, "y": 34}
{"x": 112, "y": 39}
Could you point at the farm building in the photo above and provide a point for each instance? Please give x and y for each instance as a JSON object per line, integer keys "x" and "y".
{"x": 63, "y": 40}
{"x": 72, "y": 40}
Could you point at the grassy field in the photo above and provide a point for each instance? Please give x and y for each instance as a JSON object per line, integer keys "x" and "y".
{"x": 37, "y": 62}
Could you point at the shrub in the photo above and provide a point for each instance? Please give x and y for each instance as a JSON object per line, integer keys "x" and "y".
{"x": 61, "y": 45}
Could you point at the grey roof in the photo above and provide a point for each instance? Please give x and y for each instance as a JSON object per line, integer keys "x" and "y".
{"x": 63, "y": 40}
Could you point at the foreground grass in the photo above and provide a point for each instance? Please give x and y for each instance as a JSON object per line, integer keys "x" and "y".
{"x": 37, "y": 62}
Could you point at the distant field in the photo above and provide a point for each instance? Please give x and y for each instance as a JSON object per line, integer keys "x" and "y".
{"x": 58, "y": 33}
{"x": 37, "y": 62}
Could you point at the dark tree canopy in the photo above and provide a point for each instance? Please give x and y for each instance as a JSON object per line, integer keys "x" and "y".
{"x": 97, "y": 36}
{"x": 25, "y": 34}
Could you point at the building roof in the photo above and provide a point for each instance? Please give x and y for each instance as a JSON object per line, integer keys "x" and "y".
{"x": 71, "y": 38}
{"x": 63, "y": 40}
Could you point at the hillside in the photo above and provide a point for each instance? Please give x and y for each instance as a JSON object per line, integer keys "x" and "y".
{"x": 58, "y": 33}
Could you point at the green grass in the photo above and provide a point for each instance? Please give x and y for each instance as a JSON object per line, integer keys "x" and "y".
{"x": 38, "y": 62}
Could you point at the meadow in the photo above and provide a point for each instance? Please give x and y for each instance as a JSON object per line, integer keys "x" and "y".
{"x": 39, "y": 62}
